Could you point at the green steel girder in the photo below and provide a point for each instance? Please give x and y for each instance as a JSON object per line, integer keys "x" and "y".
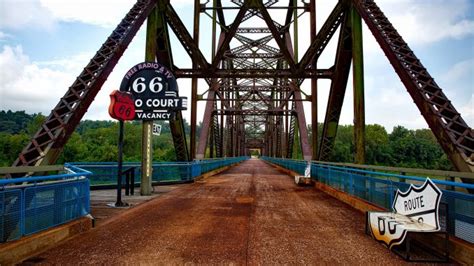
{"x": 338, "y": 90}
{"x": 164, "y": 56}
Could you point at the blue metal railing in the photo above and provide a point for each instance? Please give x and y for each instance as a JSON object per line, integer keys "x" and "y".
{"x": 105, "y": 173}
{"x": 32, "y": 204}
{"x": 379, "y": 188}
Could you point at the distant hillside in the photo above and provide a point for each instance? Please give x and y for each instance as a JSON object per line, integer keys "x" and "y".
{"x": 15, "y": 122}
{"x": 96, "y": 141}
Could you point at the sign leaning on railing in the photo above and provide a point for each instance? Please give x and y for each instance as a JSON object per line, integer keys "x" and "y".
{"x": 415, "y": 210}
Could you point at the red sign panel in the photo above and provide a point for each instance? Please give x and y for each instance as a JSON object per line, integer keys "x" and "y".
{"x": 122, "y": 106}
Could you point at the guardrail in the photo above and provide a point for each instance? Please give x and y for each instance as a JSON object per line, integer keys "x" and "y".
{"x": 32, "y": 204}
{"x": 105, "y": 173}
{"x": 379, "y": 188}
{"x": 438, "y": 174}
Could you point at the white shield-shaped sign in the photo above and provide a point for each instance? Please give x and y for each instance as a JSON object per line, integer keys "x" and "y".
{"x": 415, "y": 210}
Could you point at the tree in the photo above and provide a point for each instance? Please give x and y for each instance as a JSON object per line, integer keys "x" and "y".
{"x": 377, "y": 145}
{"x": 96, "y": 141}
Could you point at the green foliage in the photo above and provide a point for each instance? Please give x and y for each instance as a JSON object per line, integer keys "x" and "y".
{"x": 343, "y": 145}
{"x": 93, "y": 141}
{"x": 254, "y": 153}
{"x": 403, "y": 148}
{"x": 377, "y": 145}
{"x": 96, "y": 141}
{"x": 17, "y": 122}
{"x": 10, "y": 146}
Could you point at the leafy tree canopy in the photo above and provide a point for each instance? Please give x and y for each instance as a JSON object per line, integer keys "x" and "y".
{"x": 96, "y": 141}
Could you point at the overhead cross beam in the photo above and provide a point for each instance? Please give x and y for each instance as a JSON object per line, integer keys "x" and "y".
{"x": 322, "y": 38}
{"x": 185, "y": 38}
{"x": 277, "y": 36}
{"x": 224, "y": 44}
{"x": 254, "y": 73}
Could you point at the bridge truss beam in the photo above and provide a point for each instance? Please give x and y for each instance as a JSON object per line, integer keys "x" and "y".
{"x": 254, "y": 75}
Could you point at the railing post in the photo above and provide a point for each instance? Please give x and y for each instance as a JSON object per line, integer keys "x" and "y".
{"x": 403, "y": 180}
{"x": 452, "y": 179}
{"x": 391, "y": 196}
{"x": 451, "y": 214}
{"x": 58, "y": 203}
{"x": 371, "y": 190}
{"x": 23, "y": 211}
{"x": 132, "y": 181}
{"x": 351, "y": 183}
{"x": 127, "y": 185}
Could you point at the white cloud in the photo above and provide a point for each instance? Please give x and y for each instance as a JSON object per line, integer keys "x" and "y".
{"x": 20, "y": 14}
{"x": 44, "y": 14}
{"x": 461, "y": 70}
{"x": 420, "y": 23}
{"x": 467, "y": 112}
{"x": 31, "y": 86}
{"x": 38, "y": 86}
{"x": 3, "y": 36}
{"x": 101, "y": 13}
{"x": 458, "y": 84}
{"x": 425, "y": 22}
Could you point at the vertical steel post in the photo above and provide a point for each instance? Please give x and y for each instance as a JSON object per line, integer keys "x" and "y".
{"x": 314, "y": 85}
{"x": 214, "y": 30}
{"x": 194, "y": 84}
{"x": 295, "y": 30}
{"x": 147, "y": 149}
{"x": 119, "y": 202}
{"x": 358, "y": 86}
{"x": 302, "y": 128}
{"x": 287, "y": 130}
{"x": 211, "y": 138}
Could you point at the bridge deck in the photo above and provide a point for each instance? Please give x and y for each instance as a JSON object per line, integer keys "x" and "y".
{"x": 250, "y": 214}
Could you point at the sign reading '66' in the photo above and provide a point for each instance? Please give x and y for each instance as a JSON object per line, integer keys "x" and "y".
{"x": 155, "y": 91}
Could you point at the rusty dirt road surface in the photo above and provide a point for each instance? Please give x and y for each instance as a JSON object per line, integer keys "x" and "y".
{"x": 250, "y": 214}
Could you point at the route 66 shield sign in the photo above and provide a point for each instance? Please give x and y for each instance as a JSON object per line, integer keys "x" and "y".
{"x": 122, "y": 106}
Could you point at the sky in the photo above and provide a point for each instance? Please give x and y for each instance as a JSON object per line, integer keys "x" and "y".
{"x": 45, "y": 44}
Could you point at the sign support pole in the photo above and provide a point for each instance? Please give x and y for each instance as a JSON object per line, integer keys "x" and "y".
{"x": 119, "y": 202}
{"x": 121, "y": 108}
{"x": 147, "y": 159}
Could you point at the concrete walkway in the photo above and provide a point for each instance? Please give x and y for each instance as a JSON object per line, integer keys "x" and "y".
{"x": 250, "y": 214}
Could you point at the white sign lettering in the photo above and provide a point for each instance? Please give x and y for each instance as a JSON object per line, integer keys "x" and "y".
{"x": 154, "y": 116}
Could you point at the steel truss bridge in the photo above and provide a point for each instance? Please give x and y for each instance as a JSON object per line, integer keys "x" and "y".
{"x": 253, "y": 98}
